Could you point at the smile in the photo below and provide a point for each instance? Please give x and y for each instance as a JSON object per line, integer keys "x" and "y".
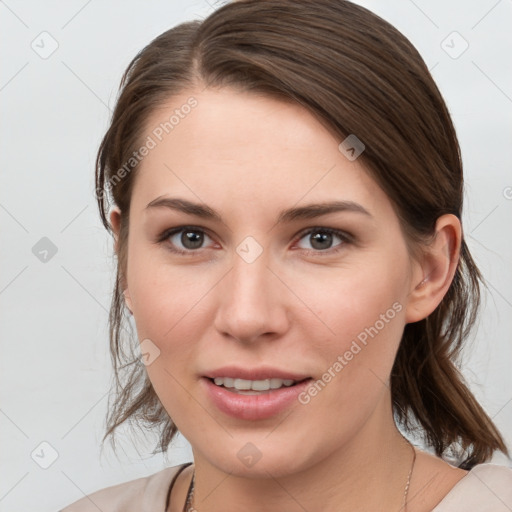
{"x": 252, "y": 385}
{"x": 246, "y": 400}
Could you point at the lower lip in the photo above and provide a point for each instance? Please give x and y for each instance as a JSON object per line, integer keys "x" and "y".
{"x": 253, "y": 407}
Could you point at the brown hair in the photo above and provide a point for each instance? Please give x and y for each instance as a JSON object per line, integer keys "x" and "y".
{"x": 358, "y": 75}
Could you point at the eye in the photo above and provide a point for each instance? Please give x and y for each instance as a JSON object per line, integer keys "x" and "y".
{"x": 187, "y": 240}
{"x": 322, "y": 239}
{"x": 184, "y": 240}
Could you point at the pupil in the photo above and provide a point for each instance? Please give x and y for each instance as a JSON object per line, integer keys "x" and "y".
{"x": 320, "y": 238}
{"x": 191, "y": 240}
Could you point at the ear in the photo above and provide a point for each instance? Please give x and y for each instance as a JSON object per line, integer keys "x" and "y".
{"x": 433, "y": 276}
{"x": 115, "y": 221}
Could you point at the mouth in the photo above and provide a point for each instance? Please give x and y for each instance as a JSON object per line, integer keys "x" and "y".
{"x": 254, "y": 387}
{"x": 252, "y": 400}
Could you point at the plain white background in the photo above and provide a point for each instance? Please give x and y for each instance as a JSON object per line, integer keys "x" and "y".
{"x": 55, "y": 365}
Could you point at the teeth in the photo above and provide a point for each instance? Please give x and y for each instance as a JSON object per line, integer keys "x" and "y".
{"x": 255, "y": 385}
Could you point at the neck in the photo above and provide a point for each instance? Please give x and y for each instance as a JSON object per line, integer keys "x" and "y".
{"x": 376, "y": 457}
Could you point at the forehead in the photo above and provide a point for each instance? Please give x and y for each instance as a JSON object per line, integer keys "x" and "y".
{"x": 230, "y": 121}
{"x": 239, "y": 147}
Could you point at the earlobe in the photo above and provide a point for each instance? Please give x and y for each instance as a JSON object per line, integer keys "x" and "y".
{"x": 128, "y": 301}
{"x": 436, "y": 270}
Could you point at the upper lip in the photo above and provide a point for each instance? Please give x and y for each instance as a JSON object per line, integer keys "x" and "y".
{"x": 261, "y": 373}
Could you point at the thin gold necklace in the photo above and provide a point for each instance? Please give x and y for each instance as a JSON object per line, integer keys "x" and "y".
{"x": 189, "y": 503}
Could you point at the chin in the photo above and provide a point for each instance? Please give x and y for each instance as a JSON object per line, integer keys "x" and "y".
{"x": 261, "y": 460}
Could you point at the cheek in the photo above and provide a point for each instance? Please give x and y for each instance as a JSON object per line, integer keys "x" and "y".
{"x": 168, "y": 310}
{"x": 344, "y": 302}
{"x": 171, "y": 308}
{"x": 362, "y": 313}
{"x": 163, "y": 295}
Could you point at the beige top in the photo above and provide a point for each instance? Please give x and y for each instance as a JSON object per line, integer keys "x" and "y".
{"x": 485, "y": 488}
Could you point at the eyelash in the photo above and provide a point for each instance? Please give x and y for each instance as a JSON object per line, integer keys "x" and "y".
{"x": 344, "y": 237}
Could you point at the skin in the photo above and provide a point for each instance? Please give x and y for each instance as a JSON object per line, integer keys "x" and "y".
{"x": 296, "y": 307}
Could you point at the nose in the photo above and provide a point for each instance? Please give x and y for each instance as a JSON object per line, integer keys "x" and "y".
{"x": 251, "y": 302}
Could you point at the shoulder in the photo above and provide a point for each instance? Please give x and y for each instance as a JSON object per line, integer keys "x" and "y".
{"x": 143, "y": 494}
{"x": 486, "y": 488}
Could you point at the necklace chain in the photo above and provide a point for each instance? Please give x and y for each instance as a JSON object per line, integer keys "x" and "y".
{"x": 189, "y": 504}
{"x": 404, "y": 506}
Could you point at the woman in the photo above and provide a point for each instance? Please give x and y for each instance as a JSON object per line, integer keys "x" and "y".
{"x": 287, "y": 201}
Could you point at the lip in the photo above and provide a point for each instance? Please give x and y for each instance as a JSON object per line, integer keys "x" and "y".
{"x": 262, "y": 373}
{"x": 253, "y": 407}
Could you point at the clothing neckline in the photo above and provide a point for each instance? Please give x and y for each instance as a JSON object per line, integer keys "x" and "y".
{"x": 187, "y": 464}
{"x": 183, "y": 466}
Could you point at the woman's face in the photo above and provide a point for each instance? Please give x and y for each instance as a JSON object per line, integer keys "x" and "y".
{"x": 306, "y": 295}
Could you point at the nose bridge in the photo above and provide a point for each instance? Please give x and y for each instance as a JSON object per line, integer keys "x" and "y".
{"x": 249, "y": 302}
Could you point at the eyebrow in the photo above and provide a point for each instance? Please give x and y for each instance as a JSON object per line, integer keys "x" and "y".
{"x": 310, "y": 211}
